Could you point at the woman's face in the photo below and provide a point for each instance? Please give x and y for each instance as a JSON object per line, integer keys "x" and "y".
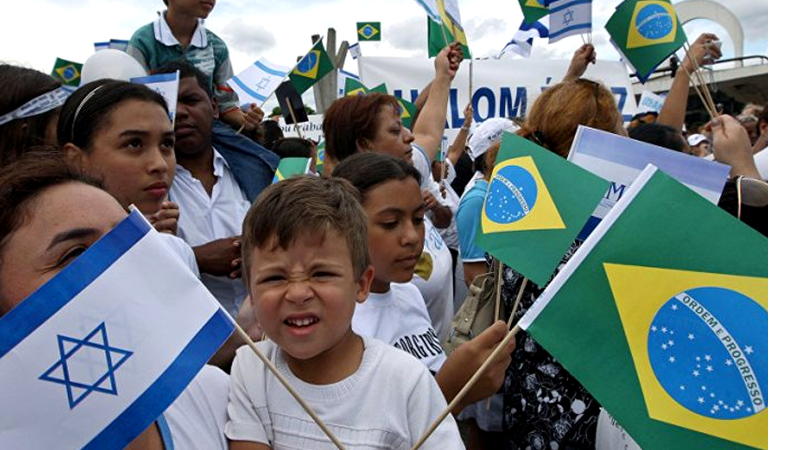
{"x": 391, "y": 137}
{"x": 133, "y": 152}
{"x": 54, "y": 232}
{"x": 395, "y": 214}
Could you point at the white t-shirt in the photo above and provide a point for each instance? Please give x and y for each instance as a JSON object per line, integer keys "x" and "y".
{"x": 388, "y": 403}
{"x": 205, "y": 219}
{"x": 196, "y": 419}
{"x": 434, "y": 278}
{"x": 399, "y": 318}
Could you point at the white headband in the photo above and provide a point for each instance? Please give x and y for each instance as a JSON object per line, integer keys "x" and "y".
{"x": 39, "y": 105}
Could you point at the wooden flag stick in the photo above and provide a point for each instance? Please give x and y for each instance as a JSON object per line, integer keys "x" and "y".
{"x": 699, "y": 92}
{"x": 467, "y": 387}
{"x": 243, "y": 334}
{"x": 516, "y": 302}
{"x": 499, "y": 284}
{"x": 469, "y": 102}
{"x": 294, "y": 119}
{"x": 702, "y": 82}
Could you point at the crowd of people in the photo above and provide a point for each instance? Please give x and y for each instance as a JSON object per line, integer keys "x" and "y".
{"x": 349, "y": 279}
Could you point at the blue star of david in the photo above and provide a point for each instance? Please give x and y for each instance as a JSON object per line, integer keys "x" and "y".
{"x": 262, "y": 84}
{"x": 77, "y": 391}
{"x": 568, "y": 17}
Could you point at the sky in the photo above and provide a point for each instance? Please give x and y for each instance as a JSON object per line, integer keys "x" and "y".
{"x": 280, "y": 30}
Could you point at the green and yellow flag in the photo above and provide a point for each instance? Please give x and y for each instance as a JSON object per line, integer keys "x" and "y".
{"x": 290, "y": 167}
{"x": 355, "y": 87}
{"x": 646, "y": 32}
{"x": 407, "y": 111}
{"x": 369, "y": 31}
{"x": 533, "y": 10}
{"x": 662, "y": 315}
{"x": 314, "y": 65}
{"x": 67, "y": 72}
{"x": 320, "y": 155}
{"x": 536, "y": 205}
{"x": 449, "y": 30}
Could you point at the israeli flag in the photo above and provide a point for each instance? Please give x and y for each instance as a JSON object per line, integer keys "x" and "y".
{"x": 100, "y": 351}
{"x": 355, "y": 50}
{"x": 569, "y": 17}
{"x": 522, "y": 42}
{"x": 167, "y": 85}
{"x": 258, "y": 82}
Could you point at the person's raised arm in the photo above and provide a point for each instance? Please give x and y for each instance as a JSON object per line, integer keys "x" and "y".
{"x": 460, "y": 142}
{"x": 673, "y": 113}
{"x": 431, "y": 120}
{"x": 581, "y": 59}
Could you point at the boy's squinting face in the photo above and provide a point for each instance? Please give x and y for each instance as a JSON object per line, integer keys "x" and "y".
{"x": 395, "y": 213}
{"x": 304, "y": 296}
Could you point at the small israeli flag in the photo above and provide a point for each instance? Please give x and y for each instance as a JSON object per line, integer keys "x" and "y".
{"x": 569, "y": 17}
{"x": 99, "y": 352}
{"x": 257, "y": 83}
{"x": 522, "y": 42}
{"x": 355, "y": 50}
{"x": 165, "y": 84}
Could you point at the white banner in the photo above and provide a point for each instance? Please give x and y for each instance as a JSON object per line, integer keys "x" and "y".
{"x": 501, "y": 88}
{"x": 311, "y": 129}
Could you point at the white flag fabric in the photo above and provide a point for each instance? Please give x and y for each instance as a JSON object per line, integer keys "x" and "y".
{"x": 522, "y": 42}
{"x": 431, "y": 8}
{"x": 98, "y": 353}
{"x": 355, "y": 50}
{"x": 167, "y": 85}
{"x": 569, "y": 17}
{"x": 257, "y": 83}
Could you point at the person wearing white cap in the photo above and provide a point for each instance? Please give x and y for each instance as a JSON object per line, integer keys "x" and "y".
{"x": 699, "y": 145}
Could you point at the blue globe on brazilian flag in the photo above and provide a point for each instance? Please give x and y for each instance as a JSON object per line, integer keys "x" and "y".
{"x": 665, "y": 326}
{"x": 536, "y": 204}
{"x": 369, "y": 31}
{"x": 646, "y": 32}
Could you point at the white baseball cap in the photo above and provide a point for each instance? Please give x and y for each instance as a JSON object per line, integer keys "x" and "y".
{"x": 487, "y": 133}
{"x": 696, "y": 139}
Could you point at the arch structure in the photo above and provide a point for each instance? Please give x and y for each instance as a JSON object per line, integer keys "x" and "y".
{"x": 706, "y": 9}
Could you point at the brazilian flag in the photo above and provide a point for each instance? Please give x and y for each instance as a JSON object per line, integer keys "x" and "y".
{"x": 662, "y": 315}
{"x": 67, "y": 72}
{"x": 407, "y": 111}
{"x": 355, "y": 87}
{"x": 369, "y": 31}
{"x": 536, "y": 205}
{"x": 646, "y": 32}
{"x": 320, "y": 155}
{"x": 449, "y": 30}
{"x": 314, "y": 65}
{"x": 290, "y": 167}
{"x": 533, "y": 10}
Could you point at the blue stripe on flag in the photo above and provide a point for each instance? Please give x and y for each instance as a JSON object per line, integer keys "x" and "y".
{"x": 26, "y": 317}
{"x": 270, "y": 70}
{"x": 157, "y": 78}
{"x": 585, "y": 26}
{"x": 249, "y": 91}
{"x": 567, "y": 5}
{"x": 157, "y": 398}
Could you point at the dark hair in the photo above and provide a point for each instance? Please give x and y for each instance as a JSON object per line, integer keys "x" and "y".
{"x": 293, "y": 147}
{"x": 22, "y": 181}
{"x": 368, "y": 169}
{"x": 21, "y": 85}
{"x": 88, "y": 109}
{"x": 352, "y": 120}
{"x": 268, "y": 132}
{"x": 661, "y": 135}
{"x": 188, "y": 71}
{"x": 286, "y": 211}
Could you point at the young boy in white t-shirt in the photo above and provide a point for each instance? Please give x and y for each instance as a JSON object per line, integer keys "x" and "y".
{"x": 306, "y": 265}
